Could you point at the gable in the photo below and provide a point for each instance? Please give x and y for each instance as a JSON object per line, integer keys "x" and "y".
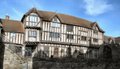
{"x": 95, "y": 26}
{"x": 65, "y": 19}
{"x": 32, "y": 17}
{"x": 56, "y": 19}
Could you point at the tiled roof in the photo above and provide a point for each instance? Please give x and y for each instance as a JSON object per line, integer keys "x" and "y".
{"x": 12, "y": 26}
{"x": 67, "y": 19}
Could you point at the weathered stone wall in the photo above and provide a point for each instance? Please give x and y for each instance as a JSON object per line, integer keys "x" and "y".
{"x": 112, "y": 49}
{"x": 108, "y": 59}
{"x": 1, "y": 54}
{"x": 74, "y": 65}
{"x": 12, "y": 60}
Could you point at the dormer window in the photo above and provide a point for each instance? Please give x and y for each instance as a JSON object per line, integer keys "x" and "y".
{"x": 55, "y": 22}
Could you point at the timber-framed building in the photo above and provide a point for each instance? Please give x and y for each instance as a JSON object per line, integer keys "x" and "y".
{"x": 51, "y": 33}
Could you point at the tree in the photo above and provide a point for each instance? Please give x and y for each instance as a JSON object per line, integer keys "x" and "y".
{"x": 107, "y": 53}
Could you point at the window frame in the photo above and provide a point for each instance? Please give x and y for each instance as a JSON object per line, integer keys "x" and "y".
{"x": 69, "y": 28}
{"x": 95, "y": 40}
{"x": 55, "y": 23}
{"x": 46, "y": 50}
{"x": 28, "y": 51}
{"x": 32, "y": 34}
{"x": 95, "y": 32}
{"x": 12, "y": 35}
{"x": 83, "y": 38}
{"x": 32, "y": 20}
{"x": 56, "y": 51}
{"x": 70, "y": 36}
{"x": 54, "y": 35}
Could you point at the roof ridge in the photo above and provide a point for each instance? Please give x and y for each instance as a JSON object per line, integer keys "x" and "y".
{"x": 11, "y": 20}
{"x": 65, "y": 15}
{"x": 12, "y": 25}
{"x": 64, "y": 18}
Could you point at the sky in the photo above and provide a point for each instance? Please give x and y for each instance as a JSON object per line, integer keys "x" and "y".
{"x": 105, "y": 12}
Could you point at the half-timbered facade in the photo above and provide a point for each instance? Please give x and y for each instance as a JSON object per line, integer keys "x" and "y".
{"x": 53, "y": 33}
{"x": 12, "y": 38}
{"x": 13, "y": 35}
{"x": 13, "y": 32}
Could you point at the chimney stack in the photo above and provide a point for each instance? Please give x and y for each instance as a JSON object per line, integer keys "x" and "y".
{"x": 7, "y": 17}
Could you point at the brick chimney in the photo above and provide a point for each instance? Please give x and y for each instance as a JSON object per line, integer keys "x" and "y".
{"x": 7, "y": 17}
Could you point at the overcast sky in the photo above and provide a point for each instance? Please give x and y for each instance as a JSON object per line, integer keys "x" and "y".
{"x": 105, "y": 12}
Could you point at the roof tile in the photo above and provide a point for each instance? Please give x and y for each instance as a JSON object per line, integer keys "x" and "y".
{"x": 12, "y": 26}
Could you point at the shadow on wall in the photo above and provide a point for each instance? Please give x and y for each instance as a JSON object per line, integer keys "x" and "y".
{"x": 41, "y": 55}
{"x": 2, "y": 48}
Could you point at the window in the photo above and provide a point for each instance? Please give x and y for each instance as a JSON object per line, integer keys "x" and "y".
{"x": 56, "y": 51}
{"x": 95, "y": 32}
{"x": 17, "y": 49}
{"x": 55, "y": 22}
{"x": 54, "y": 35}
{"x": 32, "y": 35}
{"x": 33, "y": 17}
{"x": 46, "y": 50}
{"x": 62, "y": 52}
{"x": 95, "y": 40}
{"x": 69, "y": 28}
{"x": 28, "y": 51}
{"x": 70, "y": 36}
{"x": 32, "y": 20}
{"x": 12, "y": 35}
{"x": 79, "y": 38}
{"x": 83, "y": 38}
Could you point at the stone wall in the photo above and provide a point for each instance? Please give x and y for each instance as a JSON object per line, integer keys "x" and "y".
{"x": 1, "y": 54}
{"x": 74, "y": 65}
{"x": 109, "y": 58}
{"x": 13, "y": 60}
